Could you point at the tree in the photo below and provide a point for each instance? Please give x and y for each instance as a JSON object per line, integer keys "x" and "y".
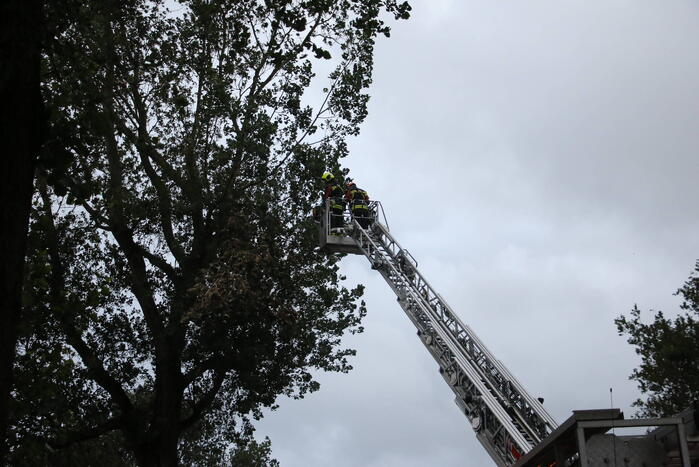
{"x": 21, "y": 136}
{"x": 253, "y": 454}
{"x": 174, "y": 279}
{"x": 669, "y": 350}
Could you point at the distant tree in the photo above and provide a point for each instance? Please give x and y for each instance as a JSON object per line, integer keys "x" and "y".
{"x": 174, "y": 286}
{"x": 669, "y": 372}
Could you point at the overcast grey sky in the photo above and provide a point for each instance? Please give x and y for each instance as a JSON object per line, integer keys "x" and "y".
{"x": 539, "y": 159}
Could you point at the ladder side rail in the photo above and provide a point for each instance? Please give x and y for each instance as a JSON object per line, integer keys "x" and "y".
{"x": 528, "y": 417}
{"x": 509, "y": 389}
{"x": 521, "y": 401}
{"x": 477, "y": 374}
{"x": 487, "y": 394}
{"x": 483, "y": 392}
{"x": 517, "y": 394}
{"x": 464, "y": 385}
{"x": 502, "y": 368}
{"x": 525, "y": 399}
{"x": 326, "y": 218}
{"x": 374, "y": 208}
{"x": 534, "y": 404}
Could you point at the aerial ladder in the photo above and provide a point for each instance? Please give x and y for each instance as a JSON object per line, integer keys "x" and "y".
{"x": 507, "y": 420}
{"x": 513, "y": 427}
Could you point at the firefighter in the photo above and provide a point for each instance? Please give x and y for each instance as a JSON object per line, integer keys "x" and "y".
{"x": 358, "y": 200}
{"x": 333, "y": 192}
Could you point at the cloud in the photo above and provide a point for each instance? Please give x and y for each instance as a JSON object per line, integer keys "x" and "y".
{"x": 540, "y": 160}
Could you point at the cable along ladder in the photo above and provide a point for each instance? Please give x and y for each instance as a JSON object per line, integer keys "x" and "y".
{"x": 507, "y": 420}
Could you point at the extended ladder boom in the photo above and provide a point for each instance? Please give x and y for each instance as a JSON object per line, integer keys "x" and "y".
{"x": 507, "y": 420}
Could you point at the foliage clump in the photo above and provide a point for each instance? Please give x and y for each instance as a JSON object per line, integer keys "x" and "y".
{"x": 669, "y": 349}
{"x": 174, "y": 287}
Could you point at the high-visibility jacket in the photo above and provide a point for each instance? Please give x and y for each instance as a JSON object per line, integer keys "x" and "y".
{"x": 358, "y": 198}
{"x": 334, "y": 192}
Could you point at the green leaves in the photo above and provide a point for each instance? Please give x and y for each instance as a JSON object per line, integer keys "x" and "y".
{"x": 173, "y": 257}
{"x": 668, "y": 375}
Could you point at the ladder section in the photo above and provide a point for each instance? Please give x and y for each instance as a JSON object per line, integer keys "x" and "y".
{"x": 507, "y": 420}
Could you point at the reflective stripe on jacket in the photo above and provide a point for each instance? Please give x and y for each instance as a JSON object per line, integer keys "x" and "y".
{"x": 334, "y": 192}
{"x": 358, "y": 198}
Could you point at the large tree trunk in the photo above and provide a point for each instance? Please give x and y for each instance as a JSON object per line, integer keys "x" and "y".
{"x": 21, "y": 123}
{"x": 159, "y": 448}
{"x": 161, "y": 453}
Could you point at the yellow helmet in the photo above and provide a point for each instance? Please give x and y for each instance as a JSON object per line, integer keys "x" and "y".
{"x": 327, "y": 176}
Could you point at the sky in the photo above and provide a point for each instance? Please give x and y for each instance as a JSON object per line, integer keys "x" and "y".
{"x": 539, "y": 160}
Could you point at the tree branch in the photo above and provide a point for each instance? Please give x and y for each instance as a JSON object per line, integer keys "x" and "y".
{"x": 164, "y": 202}
{"x": 93, "y": 363}
{"x": 140, "y": 285}
{"x": 87, "y": 434}
{"x": 305, "y": 134}
{"x": 195, "y": 185}
{"x": 205, "y": 401}
{"x": 142, "y": 141}
{"x": 195, "y": 372}
{"x": 255, "y": 88}
{"x": 292, "y": 53}
{"x": 158, "y": 262}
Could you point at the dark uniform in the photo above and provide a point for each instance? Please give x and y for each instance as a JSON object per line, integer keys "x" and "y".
{"x": 334, "y": 193}
{"x": 358, "y": 200}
